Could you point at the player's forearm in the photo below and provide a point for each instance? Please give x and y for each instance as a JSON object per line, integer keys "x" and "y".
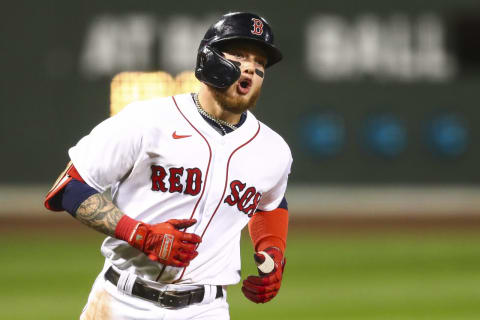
{"x": 98, "y": 212}
{"x": 269, "y": 229}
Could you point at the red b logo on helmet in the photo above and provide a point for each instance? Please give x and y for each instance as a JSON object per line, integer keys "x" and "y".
{"x": 257, "y": 27}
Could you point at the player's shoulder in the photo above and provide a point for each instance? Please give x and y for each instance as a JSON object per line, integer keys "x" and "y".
{"x": 147, "y": 114}
{"x": 273, "y": 141}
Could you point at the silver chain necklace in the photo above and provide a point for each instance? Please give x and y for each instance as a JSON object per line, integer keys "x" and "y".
{"x": 221, "y": 123}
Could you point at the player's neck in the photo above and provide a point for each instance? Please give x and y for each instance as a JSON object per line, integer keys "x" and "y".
{"x": 211, "y": 105}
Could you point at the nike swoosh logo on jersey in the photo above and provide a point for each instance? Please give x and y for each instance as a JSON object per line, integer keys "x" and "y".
{"x": 176, "y": 136}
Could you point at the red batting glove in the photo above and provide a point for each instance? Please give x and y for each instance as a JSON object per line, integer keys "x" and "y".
{"x": 263, "y": 288}
{"x": 162, "y": 242}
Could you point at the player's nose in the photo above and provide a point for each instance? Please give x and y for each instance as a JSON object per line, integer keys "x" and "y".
{"x": 248, "y": 67}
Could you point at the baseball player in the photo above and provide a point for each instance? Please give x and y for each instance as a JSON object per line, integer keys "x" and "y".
{"x": 186, "y": 174}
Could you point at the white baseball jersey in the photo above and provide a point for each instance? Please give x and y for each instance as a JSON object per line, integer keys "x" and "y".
{"x": 163, "y": 161}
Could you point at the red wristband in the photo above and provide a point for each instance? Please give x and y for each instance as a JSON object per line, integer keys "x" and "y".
{"x": 125, "y": 228}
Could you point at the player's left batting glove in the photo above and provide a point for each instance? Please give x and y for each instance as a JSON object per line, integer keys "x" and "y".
{"x": 163, "y": 242}
{"x": 263, "y": 288}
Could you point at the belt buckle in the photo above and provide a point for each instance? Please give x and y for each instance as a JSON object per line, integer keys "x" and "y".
{"x": 174, "y": 300}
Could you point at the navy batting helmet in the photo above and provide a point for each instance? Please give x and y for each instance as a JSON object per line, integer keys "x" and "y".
{"x": 212, "y": 68}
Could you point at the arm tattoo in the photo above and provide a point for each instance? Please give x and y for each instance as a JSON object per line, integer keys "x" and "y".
{"x": 99, "y": 213}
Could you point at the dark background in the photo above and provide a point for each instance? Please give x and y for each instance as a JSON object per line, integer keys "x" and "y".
{"x": 47, "y": 103}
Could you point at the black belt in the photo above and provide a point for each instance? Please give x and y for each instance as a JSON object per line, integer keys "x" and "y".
{"x": 169, "y": 299}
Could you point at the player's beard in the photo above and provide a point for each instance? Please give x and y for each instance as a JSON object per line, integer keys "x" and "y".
{"x": 236, "y": 104}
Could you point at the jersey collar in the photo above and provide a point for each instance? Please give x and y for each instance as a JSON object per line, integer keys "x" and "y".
{"x": 187, "y": 106}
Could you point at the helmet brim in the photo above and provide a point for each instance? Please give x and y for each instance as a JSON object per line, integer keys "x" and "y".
{"x": 273, "y": 53}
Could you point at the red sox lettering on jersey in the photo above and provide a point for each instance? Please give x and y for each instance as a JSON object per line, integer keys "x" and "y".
{"x": 246, "y": 200}
{"x": 193, "y": 183}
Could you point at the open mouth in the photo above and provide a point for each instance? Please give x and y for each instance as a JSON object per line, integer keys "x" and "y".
{"x": 244, "y": 85}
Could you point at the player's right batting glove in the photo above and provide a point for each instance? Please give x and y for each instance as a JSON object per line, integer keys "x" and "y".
{"x": 263, "y": 288}
{"x": 162, "y": 242}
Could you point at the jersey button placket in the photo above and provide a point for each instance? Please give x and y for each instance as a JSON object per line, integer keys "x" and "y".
{"x": 216, "y": 185}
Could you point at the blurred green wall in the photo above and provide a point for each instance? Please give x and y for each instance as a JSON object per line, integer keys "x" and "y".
{"x": 48, "y": 103}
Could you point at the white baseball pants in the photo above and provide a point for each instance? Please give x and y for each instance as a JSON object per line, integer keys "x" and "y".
{"x": 106, "y": 302}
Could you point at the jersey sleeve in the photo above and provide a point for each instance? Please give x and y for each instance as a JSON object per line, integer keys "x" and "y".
{"x": 273, "y": 198}
{"x": 53, "y": 199}
{"x": 108, "y": 153}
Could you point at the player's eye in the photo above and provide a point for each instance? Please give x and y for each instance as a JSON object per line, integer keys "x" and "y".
{"x": 240, "y": 55}
{"x": 262, "y": 63}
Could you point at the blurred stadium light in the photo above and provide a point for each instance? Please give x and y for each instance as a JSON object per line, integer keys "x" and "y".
{"x": 322, "y": 134}
{"x": 448, "y": 135}
{"x": 385, "y": 135}
{"x": 128, "y": 87}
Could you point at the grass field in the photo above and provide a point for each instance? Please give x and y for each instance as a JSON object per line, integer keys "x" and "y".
{"x": 379, "y": 275}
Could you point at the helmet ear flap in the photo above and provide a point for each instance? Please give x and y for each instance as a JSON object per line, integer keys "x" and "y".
{"x": 213, "y": 69}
